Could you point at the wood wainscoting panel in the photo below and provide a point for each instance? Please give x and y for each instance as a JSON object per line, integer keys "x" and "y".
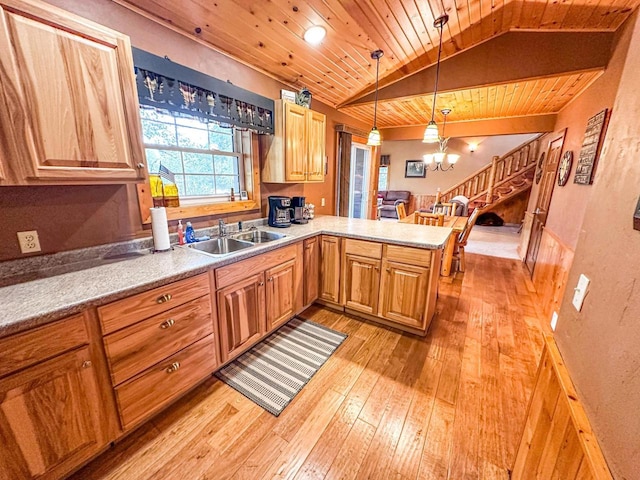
{"x": 557, "y": 441}
{"x": 417, "y": 202}
{"x": 551, "y": 272}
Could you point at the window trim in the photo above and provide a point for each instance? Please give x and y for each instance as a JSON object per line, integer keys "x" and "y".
{"x": 251, "y": 164}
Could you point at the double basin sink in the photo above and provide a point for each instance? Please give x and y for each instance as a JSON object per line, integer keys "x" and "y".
{"x": 239, "y": 241}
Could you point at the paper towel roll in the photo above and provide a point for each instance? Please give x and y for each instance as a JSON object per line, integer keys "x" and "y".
{"x": 160, "y": 229}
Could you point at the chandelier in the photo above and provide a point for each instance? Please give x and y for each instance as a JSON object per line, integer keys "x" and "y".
{"x": 374, "y": 139}
{"x": 437, "y": 158}
{"x": 431, "y": 132}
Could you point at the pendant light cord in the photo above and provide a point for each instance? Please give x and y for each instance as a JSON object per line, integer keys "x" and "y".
{"x": 435, "y": 91}
{"x": 375, "y": 104}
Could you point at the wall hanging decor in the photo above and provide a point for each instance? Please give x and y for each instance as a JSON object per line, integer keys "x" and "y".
{"x": 590, "y": 149}
{"x": 415, "y": 168}
{"x": 564, "y": 169}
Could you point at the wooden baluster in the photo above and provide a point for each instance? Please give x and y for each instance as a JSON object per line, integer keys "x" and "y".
{"x": 492, "y": 179}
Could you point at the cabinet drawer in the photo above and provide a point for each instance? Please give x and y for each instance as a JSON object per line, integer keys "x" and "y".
{"x": 128, "y": 311}
{"x": 144, "y": 344}
{"x": 412, "y": 256}
{"x": 31, "y": 347}
{"x": 363, "y": 248}
{"x": 158, "y": 385}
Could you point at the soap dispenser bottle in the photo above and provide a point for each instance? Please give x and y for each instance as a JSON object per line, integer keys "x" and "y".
{"x": 190, "y": 235}
{"x": 180, "y": 233}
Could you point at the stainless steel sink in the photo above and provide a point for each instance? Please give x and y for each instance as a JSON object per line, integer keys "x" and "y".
{"x": 259, "y": 236}
{"x": 221, "y": 246}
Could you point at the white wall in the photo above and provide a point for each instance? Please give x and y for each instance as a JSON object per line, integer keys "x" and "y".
{"x": 468, "y": 163}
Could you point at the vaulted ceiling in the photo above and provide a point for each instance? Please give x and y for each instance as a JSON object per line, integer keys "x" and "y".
{"x": 501, "y": 58}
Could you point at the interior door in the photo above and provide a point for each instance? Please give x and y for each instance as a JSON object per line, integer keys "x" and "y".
{"x": 359, "y": 180}
{"x": 541, "y": 212}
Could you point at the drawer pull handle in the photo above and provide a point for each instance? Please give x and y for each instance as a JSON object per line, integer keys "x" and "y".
{"x": 86, "y": 364}
{"x": 174, "y": 367}
{"x": 164, "y": 298}
{"x": 167, "y": 324}
{"x": 261, "y": 284}
{"x": 271, "y": 279}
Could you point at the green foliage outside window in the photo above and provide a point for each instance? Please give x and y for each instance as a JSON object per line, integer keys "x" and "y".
{"x": 201, "y": 155}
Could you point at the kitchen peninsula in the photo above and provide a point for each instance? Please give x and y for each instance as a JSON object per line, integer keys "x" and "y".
{"x": 138, "y": 334}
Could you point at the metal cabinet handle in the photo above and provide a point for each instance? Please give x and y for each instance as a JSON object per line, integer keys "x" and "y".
{"x": 140, "y": 165}
{"x": 261, "y": 284}
{"x": 86, "y": 364}
{"x": 271, "y": 279}
{"x": 164, "y": 298}
{"x": 174, "y": 367}
{"x": 388, "y": 270}
{"x": 167, "y": 323}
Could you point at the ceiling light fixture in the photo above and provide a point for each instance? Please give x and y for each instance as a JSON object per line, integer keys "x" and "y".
{"x": 315, "y": 34}
{"x": 374, "y": 139}
{"x": 439, "y": 157}
{"x": 431, "y": 132}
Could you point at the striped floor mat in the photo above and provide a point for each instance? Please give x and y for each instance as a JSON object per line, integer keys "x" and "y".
{"x": 273, "y": 372}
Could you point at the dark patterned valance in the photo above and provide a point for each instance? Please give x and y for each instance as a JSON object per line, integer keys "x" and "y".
{"x": 167, "y": 85}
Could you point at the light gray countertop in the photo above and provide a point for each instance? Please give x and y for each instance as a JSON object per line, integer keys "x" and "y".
{"x": 29, "y": 304}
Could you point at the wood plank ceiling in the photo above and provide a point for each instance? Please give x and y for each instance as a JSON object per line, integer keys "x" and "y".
{"x": 269, "y": 36}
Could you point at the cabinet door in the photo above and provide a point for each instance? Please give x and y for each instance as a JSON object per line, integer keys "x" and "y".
{"x": 295, "y": 142}
{"x": 330, "y": 269}
{"x": 280, "y": 293}
{"x": 403, "y": 293}
{"x": 361, "y": 283}
{"x": 50, "y": 417}
{"x": 241, "y": 315}
{"x": 311, "y": 270}
{"x": 74, "y": 112}
{"x": 316, "y": 143}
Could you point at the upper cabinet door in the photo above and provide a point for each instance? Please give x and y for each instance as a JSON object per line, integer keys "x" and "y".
{"x": 316, "y": 133}
{"x": 72, "y": 110}
{"x": 295, "y": 149}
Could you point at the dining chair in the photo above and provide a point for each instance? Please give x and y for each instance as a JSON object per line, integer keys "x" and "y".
{"x": 400, "y": 210}
{"x": 432, "y": 219}
{"x": 463, "y": 237}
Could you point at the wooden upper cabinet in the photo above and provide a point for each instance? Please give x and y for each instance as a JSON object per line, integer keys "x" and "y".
{"x": 281, "y": 293}
{"x": 316, "y": 142}
{"x": 50, "y": 417}
{"x": 295, "y": 148}
{"x": 296, "y": 152}
{"x": 71, "y": 111}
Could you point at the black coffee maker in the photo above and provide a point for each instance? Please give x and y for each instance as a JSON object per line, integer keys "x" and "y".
{"x": 298, "y": 210}
{"x": 279, "y": 212}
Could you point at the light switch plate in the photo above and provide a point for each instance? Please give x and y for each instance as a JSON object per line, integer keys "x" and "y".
{"x": 554, "y": 321}
{"x": 580, "y": 291}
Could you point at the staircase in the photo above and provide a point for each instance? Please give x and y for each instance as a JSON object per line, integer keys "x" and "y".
{"x": 504, "y": 178}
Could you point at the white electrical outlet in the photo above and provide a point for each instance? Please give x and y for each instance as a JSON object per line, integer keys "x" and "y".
{"x": 580, "y": 291}
{"x": 322, "y": 202}
{"x": 554, "y": 321}
{"x": 29, "y": 241}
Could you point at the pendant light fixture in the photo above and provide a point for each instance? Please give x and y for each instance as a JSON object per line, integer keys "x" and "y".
{"x": 439, "y": 157}
{"x": 374, "y": 139}
{"x": 431, "y": 132}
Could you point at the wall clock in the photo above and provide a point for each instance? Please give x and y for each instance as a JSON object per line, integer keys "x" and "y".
{"x": 539, "y": 169}
{"x": 565, "y": 168}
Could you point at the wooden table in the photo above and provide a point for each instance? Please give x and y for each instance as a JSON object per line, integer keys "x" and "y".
{"x": 455, "y": 223}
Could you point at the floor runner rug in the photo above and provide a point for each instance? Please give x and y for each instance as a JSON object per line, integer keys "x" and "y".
{"x": 273, "y": 372}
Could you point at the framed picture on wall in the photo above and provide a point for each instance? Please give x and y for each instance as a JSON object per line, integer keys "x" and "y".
{"x": 415, "y": 169}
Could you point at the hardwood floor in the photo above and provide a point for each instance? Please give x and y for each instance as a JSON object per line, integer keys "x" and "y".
{"x": 386, "y": 404}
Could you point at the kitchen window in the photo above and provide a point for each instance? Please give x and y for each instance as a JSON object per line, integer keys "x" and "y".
{"x": 205, "y": 156}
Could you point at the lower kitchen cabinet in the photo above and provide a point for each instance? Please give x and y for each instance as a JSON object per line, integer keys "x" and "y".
{"x": 403, "y": 293}
{"x": 330, "y": 269}
{"x": 241, "y": 315}
{"x": 51, "y": 417}
{"x": 311, "y": 270}
{"x": 361, "y": 279}
{"x": 281, "y": 293}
